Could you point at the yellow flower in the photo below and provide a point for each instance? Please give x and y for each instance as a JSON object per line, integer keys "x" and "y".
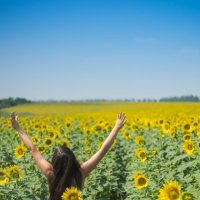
{"x": 188, "y": 196}
{"x": 187, "y": 136}
{"x": 87, "y": 131}
{"x": 48, "y": 141}
{"x": 68, "y": 124}
{"x": 64, "y": 141}
{"x": 15, "y": 173}
{"x": 198, "y": 144}
{"x": 34, "y": 140}
{"x": 88, "y": 150}
{"x": 170, "y": 191}
{"x": 52, "y": 133}
{"x": 71, "y": 194}
{"x": 138, "y": 139}
{"x": 172, "y": 132}
{"x": 141, "y": 154}
{"x": 187, "y": 128}
{"x": 19, "y": 151}
{"x": 41, "y": 149}
{"x": 140, "y": 181}
{"x": 126, "y": 135}
{"x": 188, "y": 147}
{"x": 166, "y": 127}
{"x": 3, "y": 177}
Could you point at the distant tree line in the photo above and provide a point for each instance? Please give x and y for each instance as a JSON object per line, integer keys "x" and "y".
{"x": 4, "y": 103}
{"x": 190, "y": 98}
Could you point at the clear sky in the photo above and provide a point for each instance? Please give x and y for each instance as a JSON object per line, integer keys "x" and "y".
{"x": 112, "y": 49}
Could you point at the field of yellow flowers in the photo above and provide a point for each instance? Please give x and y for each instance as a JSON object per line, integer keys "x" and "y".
{"x": 156, "y": 155}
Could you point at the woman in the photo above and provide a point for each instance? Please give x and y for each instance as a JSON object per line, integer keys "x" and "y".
{"x": 64, "y": 170}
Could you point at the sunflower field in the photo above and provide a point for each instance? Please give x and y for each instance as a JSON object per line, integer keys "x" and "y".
{"x": 156, "y": 155}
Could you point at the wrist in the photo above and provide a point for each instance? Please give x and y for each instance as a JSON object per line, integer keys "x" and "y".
{"x": 18, "y": 129}
{"x": 116, "y": 127}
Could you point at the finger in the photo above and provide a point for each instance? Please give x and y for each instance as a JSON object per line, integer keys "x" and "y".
{"x": 13, "y": 115}
{"x": 120, "y": 115}
{"x": 123, "y": 118}
{"x": 124, "y": 121}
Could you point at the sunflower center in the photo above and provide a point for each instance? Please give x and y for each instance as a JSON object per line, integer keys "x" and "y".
{"x": 141, "y": 181}
{"x": 20, "y": 151}
{"x": 190, "y": 147}
{"x": 187, "y": 127}
{"x": 41, "y": 148}
{"x": 187, "y": 197}
{"x": 73, "y": 197}
{"x": 166, "y": 127}
{"x": 143, "y": 155}
{"x": 48, "y": 142}
{"x": 173, "y": 195}
{"x": 187, "y": 137}
{"x": 15, "y": 175}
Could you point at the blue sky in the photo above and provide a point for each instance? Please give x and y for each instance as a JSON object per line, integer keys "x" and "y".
{"x": 112, "y": 49}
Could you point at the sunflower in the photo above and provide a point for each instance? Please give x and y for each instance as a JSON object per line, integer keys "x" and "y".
{"x": 154, "y": 152}
{"x": 3, "y": 177}
{"x": 166, "y": 127}
{"x": 187, "y": 136}
{"x": 19, "y": 151}
{"x": 188, "y": 147}
{"x": 126, "y": 135}
{"x": 138, "y": 139}
{"x": 172, "y": 132}
{"x": 188, "y": 196}
{"x": 187, "y": 128}
{"x": 141, "y": 154}
{"x": 88, "y": 150}
{"x": 198, "y": 144}
{"x": 34, "y": 140}
{"x": 41, "y": 149}
{"x": 170, "y": 191}
{"x": 140, "y": 181}
{"x": 48, "y": 141}
{"x": 68, "y": 124}
{"x": 63, "y": 141}
{"x": 134, "y": 126}
{"x": 71, "y": 194}
{"x": 15, "y": 173}
{"x": 86, "y": 131}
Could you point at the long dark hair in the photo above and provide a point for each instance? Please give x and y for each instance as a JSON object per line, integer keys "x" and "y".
{"x": 67, "y": 172}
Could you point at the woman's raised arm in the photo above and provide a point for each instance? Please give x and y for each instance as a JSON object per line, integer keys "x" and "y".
{"x": 90, "y": 164}
{"x": 44, "y": 165}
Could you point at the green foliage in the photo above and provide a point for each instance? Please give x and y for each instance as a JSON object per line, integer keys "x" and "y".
{"x": 189, "y": 98}
{"x": 4, "y": 103}
{"x": 113, "y": 177}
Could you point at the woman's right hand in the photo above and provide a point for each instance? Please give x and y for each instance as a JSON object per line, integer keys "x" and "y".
{"x": 14, "y": 121}
{"x": 121, "y": 120}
